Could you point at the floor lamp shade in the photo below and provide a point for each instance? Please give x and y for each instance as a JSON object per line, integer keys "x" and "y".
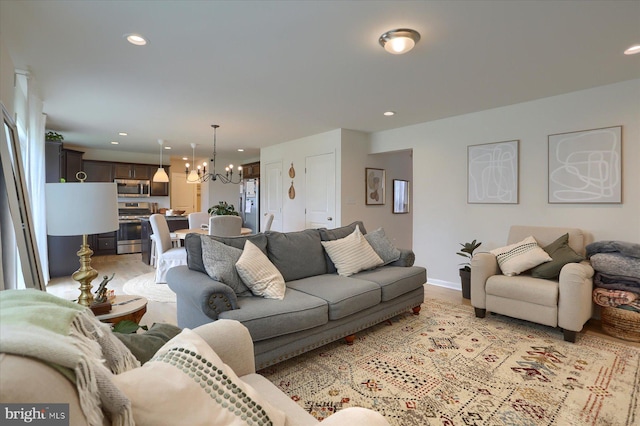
{"x": 81, "y": 208}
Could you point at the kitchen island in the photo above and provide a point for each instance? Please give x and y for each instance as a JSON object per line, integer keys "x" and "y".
{"x": 174, "y": 222}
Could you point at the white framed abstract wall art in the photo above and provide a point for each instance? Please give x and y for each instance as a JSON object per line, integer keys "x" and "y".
{"x": 586, "y": 166}
{"x": 492, "y": 173}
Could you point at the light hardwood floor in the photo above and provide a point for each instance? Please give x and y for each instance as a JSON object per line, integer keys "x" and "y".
{"x": 129, "y": 266}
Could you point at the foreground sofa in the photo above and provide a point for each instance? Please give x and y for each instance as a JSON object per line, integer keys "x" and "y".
{"x": 319, "y": 305}
{"x": 558, "y": 301}
{"x": 29, "y": 381}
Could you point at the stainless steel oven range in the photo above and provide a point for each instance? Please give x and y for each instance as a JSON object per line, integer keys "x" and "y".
{"x": 130, "y": 226}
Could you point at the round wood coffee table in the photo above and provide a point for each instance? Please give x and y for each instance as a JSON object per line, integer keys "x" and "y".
{"x": 125, "y": 307}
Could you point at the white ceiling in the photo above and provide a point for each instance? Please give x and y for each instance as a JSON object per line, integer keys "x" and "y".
{"x": 274, "y": 71}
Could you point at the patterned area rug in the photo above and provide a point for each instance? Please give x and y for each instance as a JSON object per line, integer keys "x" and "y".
{"x": 145, "y": 285}
{"x": 445, "y": 367}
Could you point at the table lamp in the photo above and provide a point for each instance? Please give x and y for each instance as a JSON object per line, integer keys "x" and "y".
{"x": 82, "y": 209}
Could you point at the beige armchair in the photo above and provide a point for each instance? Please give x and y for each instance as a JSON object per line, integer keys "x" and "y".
{"x": 565, "y": 302}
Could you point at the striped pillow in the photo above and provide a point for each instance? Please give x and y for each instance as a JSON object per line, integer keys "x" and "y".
{"x": 259, "y": 274}
{"x": 520, "y": 257}
{"x": 352, "y": 253}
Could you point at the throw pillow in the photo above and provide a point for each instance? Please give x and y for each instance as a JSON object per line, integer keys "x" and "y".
{"x": 220, "y": 263}
{"x": 259, "y": 274}
{"x": 186, "y": 381}
{"x": 352, "y": 254}
{"x": 144, "y": 345}
{"x": 561, "y": 254}
{"x": 382, "y": 246}
{"x": 521, "y": 256}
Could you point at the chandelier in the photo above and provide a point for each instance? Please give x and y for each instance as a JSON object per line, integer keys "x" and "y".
{"x": 198, "y": 174}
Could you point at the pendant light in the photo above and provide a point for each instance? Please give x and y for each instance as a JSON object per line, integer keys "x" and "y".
{"x": 193, "y": 176}
{"x": 160, "y": 175}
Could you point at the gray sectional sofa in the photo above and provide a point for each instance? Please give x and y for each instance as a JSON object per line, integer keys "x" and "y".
{"x": 319, "y": 306}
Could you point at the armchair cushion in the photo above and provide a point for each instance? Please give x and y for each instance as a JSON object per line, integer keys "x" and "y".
{"x": 521, "y": 256}
{"x": 561, "y": 254}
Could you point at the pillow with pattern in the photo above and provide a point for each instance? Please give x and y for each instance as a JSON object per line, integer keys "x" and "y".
{"x": 352, "y": 254}
{"x": 259, "y": 274}
{"x": 187, "y": 380}
{"x": 519, "y": 257}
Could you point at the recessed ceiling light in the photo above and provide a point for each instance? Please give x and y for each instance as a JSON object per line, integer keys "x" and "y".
{"x": 136, "y": 39}
{"x": 114, "y": 143}
{"x": 184, "y": 158}
{"x": 123, "y": 133}
{"x": 167, "y": 147}
{"x": 389, "y": 113}
{"x": 632, "y": 50}
{"x": 240, "y": 150}
{"x": 399, "y": 41}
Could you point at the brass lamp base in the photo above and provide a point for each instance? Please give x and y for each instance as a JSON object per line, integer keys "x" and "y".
{"x": 85, "y": 274}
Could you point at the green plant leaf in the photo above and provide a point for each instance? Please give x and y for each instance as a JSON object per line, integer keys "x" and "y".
{"x": 128, "y": 327}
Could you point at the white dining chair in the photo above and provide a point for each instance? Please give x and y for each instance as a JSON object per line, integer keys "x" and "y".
{"x": 225, "y": 226}
{"x": 198, "y": 219}
{"x": 268, "y": 220}
{"x": 167, "y": 256}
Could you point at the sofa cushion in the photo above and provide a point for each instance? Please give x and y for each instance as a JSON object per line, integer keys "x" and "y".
{"x": 296, "y": 254}
{"x": 186, "y": 377}
{"x": 395, "y": 281}
{"x": 344, "y": 295}
{"x": 259, "y": 274}
{"x": 521, "y": 256}
{"x": 336, "y": 234}
{"x": 561, "y": 254}
{"x": 267, "y": 318}
{"x": 194, "y": 247}
{"x": 382, "y": 246}
{"x": 352, "y": 254}
{"x": 220, "y": 264}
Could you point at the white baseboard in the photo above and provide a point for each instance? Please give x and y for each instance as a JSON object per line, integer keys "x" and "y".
{"x": 446, "y": 284}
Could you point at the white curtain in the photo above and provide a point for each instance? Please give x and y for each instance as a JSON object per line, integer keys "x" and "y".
{"x": 31, "y": 121}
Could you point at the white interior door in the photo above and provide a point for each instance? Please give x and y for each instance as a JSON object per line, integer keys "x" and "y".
{"x": 272, "y": 190}
{"x": 320, "y": 182}
{"x": 183, "y": 194}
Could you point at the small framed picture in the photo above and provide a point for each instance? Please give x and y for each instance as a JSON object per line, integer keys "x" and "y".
{"x": 400, "y": 196}
{"x": 374, "y": 186}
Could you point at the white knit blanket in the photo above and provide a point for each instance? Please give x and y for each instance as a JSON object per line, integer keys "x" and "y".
{"x": 69, "y": 337}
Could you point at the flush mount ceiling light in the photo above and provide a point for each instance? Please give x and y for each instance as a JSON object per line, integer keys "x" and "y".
{"x": 399, "y": 41}
{"x": 136, "y": 39}
{"x": 632, "y": 50}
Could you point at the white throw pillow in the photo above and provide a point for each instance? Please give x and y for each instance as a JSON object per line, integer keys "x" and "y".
{"x": 520, "y": 257}
{"x": 259, "y": 274}
{"x": 186, "y": 383}
{"x": 352, "y": 253}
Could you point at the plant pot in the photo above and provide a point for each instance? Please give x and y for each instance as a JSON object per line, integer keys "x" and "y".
{"x": 465, "y": 279}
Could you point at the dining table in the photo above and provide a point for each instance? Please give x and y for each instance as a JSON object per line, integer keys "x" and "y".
{"x": 181, "y": 233}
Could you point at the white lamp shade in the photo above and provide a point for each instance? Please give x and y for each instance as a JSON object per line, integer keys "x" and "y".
{"x": 161, "y": 175}
{"x": 81, "y": 208}
{"x": 193, "y": 177}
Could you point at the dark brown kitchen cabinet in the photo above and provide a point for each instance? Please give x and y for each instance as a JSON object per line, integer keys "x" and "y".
{"x": 72, "y": 161}
{"x": 98, "y": 171}
{"x": 104, "y": 243}
{"x": 132, "y": 171}
{"x": 251, "y": 170}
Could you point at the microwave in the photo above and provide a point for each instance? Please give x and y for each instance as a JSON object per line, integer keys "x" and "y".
{"x": 133, "y": 187}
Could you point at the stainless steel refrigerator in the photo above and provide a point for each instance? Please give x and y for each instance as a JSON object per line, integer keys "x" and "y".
{"x": 250, "y": 204}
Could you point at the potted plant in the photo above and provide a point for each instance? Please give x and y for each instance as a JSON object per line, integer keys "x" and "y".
{"x": 53, "y": 136}
{"x": 465, "y": 272}
{"x": 222, "y": 209}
